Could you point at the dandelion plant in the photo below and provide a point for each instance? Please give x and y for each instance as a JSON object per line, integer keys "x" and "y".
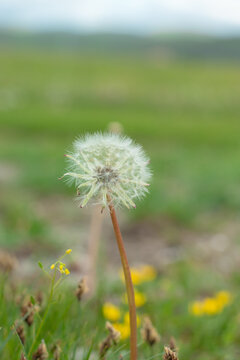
{"x": 112, "y": 171}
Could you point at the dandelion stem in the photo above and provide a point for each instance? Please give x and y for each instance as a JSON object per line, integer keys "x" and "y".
{"x": 128, "y": 281}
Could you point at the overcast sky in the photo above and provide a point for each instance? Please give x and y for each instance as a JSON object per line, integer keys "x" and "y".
{"x": 144, "y": 16}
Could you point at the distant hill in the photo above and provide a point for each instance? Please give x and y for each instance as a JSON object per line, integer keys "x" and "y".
{"x": 170, "y": 46}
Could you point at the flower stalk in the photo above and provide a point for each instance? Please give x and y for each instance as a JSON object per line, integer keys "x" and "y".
{"x": 128, "y": 282}
{"x": 110, "y": 170}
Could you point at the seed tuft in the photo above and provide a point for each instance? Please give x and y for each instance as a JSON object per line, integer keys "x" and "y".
{"x": 149, "y": 333}
{"x": 112, "y": 339}
{"x": 27, "y": 312}
{"x": 81, "y": 289}
{"x": 41, "y": 353}
{"x": 21, "y": 333}
{"x": 169, "y": 354}
{"x": 172, "y": 344}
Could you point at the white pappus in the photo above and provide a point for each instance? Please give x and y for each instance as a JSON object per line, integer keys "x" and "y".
{"x": 108, "y": 166}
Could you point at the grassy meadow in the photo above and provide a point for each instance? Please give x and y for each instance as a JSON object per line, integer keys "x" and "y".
{"x": 185, "y": 113}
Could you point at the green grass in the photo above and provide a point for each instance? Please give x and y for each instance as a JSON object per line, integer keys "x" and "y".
{"x": 81, "y": 326}
{"x": 186, "y": 115}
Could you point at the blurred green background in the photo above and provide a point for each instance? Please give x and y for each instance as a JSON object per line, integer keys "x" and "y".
{"x": 176, "y": 95}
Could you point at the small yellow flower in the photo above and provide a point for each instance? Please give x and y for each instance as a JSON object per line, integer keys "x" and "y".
{"x": 136, "y": 276}
{"x": 224, "y": 297}
{"x": 52, "y": 266}
{"x": 142, "y": 274}
{"x": 196, "y": 308}
{"x": 211, "y": 306}
{"x": 123, "y": 328}
{"x": 111, "y": 312}
{"x": 61, "y": 267}
{"x": 148, "y": 273}
{"x": 127, "y": 319}
{"x": 68, "y": 251}
{"x": 67, "y": 272}
{"x": 140, "y": 298}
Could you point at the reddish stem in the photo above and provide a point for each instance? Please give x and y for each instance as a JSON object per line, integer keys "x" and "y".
{"x": 128, "y": 282}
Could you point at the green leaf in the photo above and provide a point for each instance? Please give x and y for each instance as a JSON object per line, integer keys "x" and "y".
{"x": 89, "y": 352}
{"x": 32, "y": 300}
{"x": 40, "y": 265}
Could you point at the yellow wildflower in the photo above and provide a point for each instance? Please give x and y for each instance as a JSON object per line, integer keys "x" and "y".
{"x": 111, "y": 312}
{"x": 123, "y": 328}
{"x": 224, "y": 297}
{"x": 68, "y": 251}
{"x": 211, "y": 306}
{"x": 196, "y": 308}
{"x": 60, "y": 266}
{"x": 148, "y": 273}
{"x": 127, "y": 319}
{"x": 67, "y": 272}
{"x": 136, "y": 276}
{"x": 142, "y": 274}
{"x": 140, "y": 298}
{"x": 62, "y": 269}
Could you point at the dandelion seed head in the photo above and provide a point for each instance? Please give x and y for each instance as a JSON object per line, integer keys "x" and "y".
{"x": 103, "y": 165}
